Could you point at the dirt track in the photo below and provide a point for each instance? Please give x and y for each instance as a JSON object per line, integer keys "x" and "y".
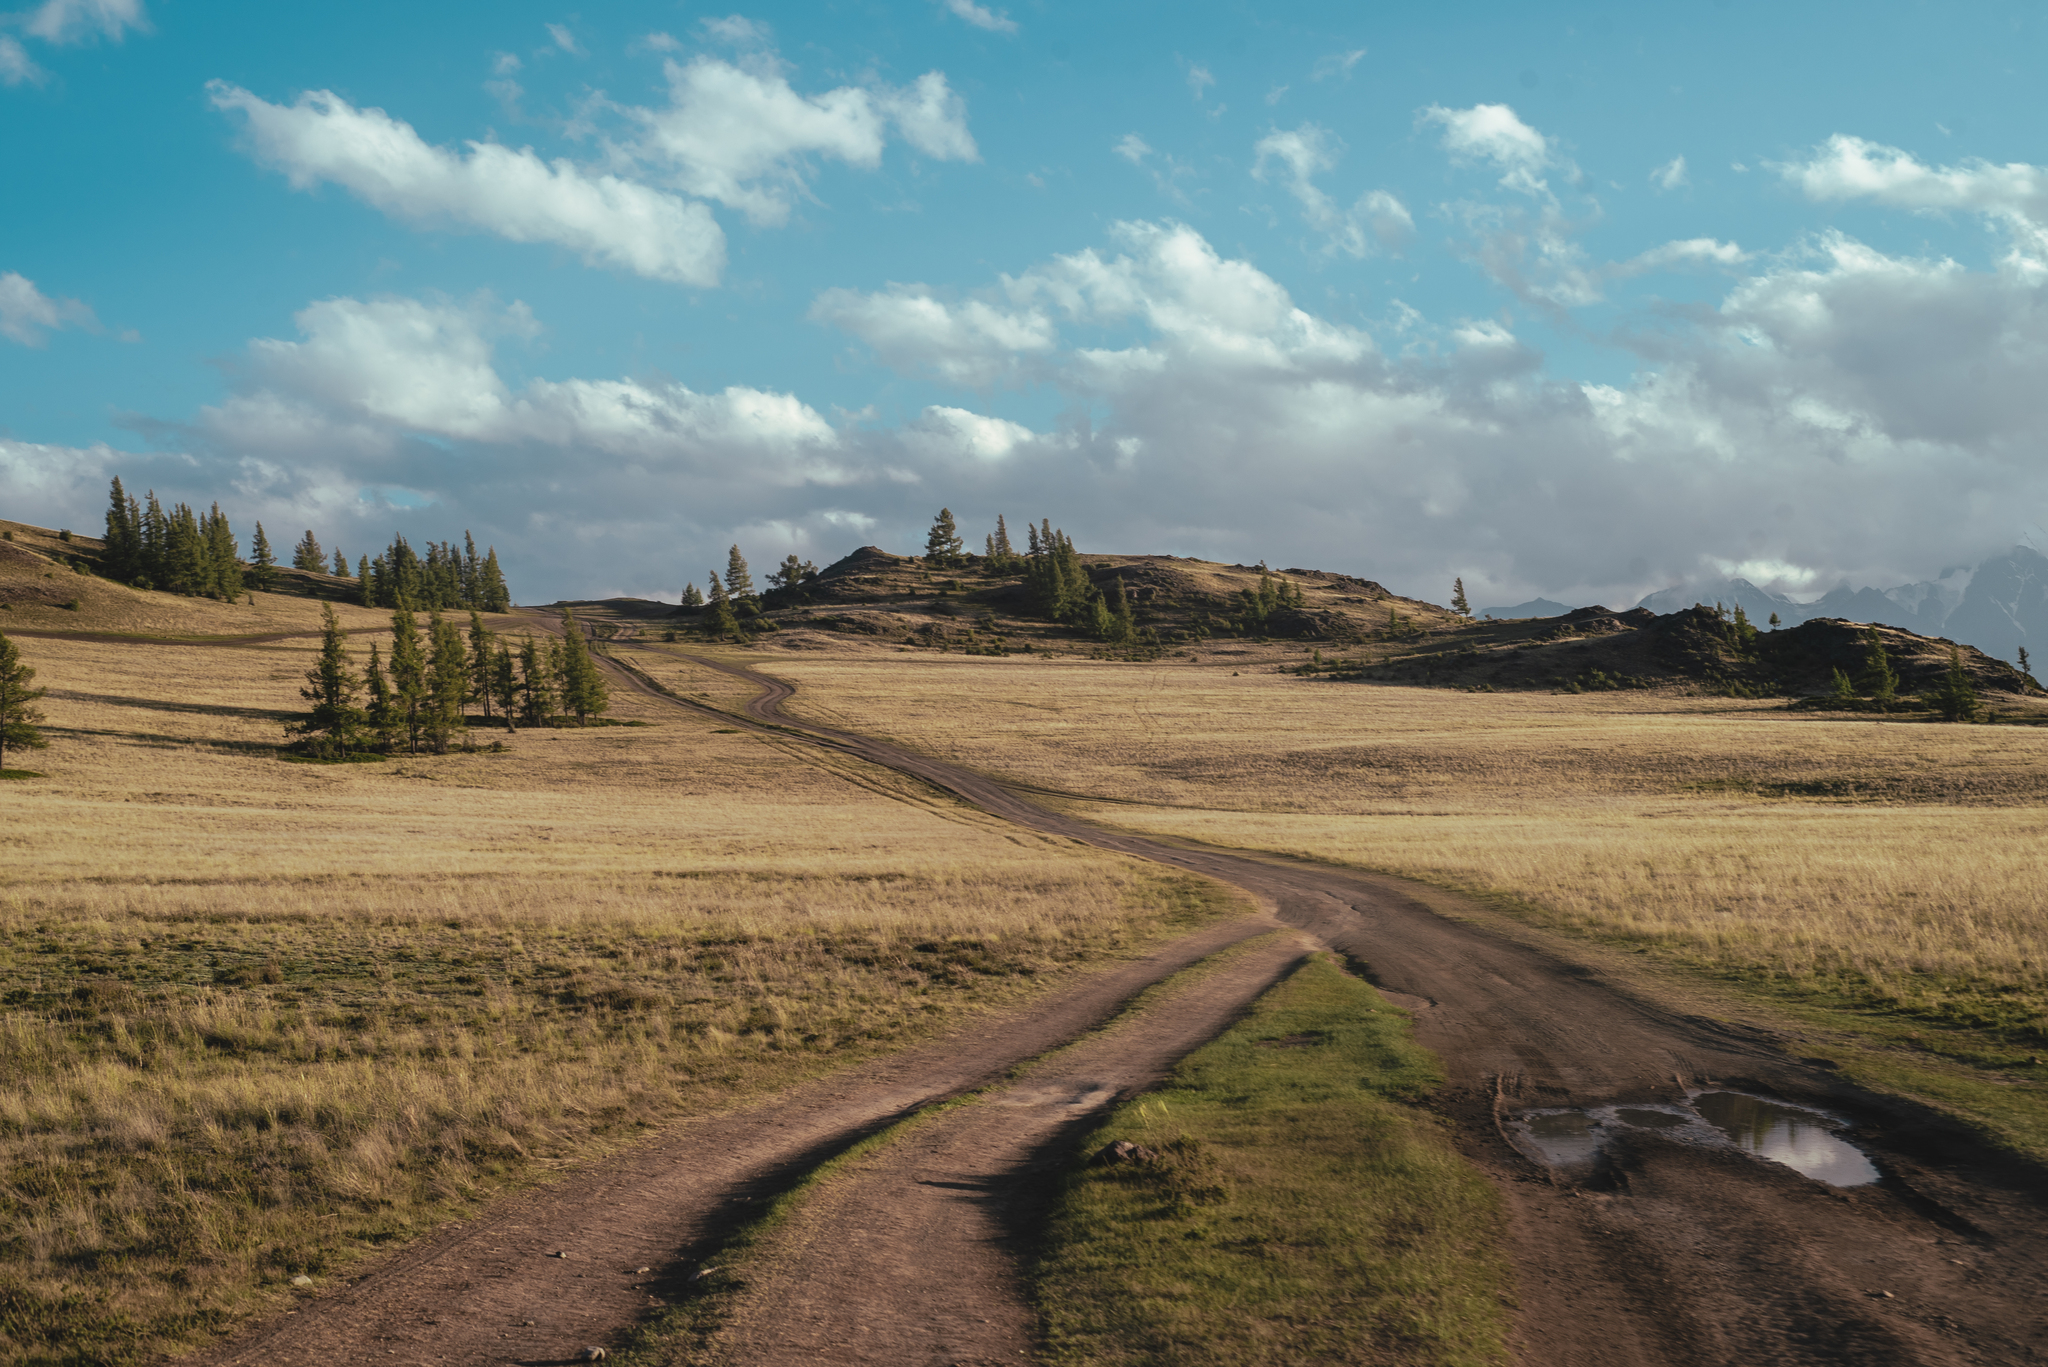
{"x": 1676, "y": 1255}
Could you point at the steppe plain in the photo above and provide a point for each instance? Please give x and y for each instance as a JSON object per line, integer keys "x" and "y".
{"x": 277, "y": 1020}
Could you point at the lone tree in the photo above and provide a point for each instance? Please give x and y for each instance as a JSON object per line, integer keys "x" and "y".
{"x": 262, "y": 561}
{"x": 308, "y": 556}
{"x": 1459, "y": 603}
{"x": 18, "y": 694}
{"x": 942, "y": 546}
{"x": 1878, "y": 680}
{"x": 738, "y": 583}
{"x": 2026, "y": 670}
{"x": 1955, "y": 697}
{"x": 335, "y": 725}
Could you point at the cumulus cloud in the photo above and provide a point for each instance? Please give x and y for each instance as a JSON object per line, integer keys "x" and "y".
{"x": 972, "y": 343}
{"x": 1845, "y": 168}
{"x": 1132, "y": 148}
{"x": 27, "y": 315}
{"x": 608, "y": 219}
{"x": 1671, "y": 175}
{"x": 1378, "y": 220}
{"x": 743, "y": 136}
{"x": 981, "y": 17}
{"x": 1495, "y": 133}
{"x": 1693, "y": 251}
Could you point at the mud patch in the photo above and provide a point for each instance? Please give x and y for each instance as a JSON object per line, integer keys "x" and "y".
{"x": 1570, "y": 1140}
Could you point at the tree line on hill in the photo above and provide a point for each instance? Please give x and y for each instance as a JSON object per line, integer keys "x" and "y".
{"x": 179, "y": 551}
{"x": 416, "y": 698}
{"x": 733, "y": 597}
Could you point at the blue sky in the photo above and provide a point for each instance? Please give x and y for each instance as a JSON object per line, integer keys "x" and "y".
{"x": 1576, "y": 300}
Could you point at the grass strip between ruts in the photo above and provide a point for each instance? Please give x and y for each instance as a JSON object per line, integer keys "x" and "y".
{"x": 1302, "y": 1207}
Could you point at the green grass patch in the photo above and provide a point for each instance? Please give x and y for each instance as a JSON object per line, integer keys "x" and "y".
{"x": 1302, "y": 1206}
{"x": 21, "y": 773}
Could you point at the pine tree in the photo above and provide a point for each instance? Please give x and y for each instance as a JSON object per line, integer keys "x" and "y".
{"x": 491, "y": 593}
{"x": 262, "y": 561}
{"x": 18, "y": 694}
{"x": 156, "y": 541}
{"x": 739, "y": 585}
{"x": 383, "y": 716}
{"x": 504, "y": 682}
{"x": 1036, "y": 550}
{"x": 307, "y": 555}
{"x": 335, "y": 725}
{"x": 224, "y": 565}
{"x": 366, "y": 591}
{"x": 339, "y": 569}
{"x": 2026, "y": 670}
{"x": 122, "y": 559}
{"x": 1459, "y": 603}
{"x": 1878, "y": 680}
{"x": 693, "y": 597}
{"x": 1124, "y": 625}
{"x": 480, "y": 656}
{"x": 792, "y": 575}
{"x": 536, "y": 688}
{"x": 942, "y": 545}
{"x": 1774, "y": 621}
{"x": 447, "y": 683}
{"x": 410, "y": 682}
{"x": 1842, "y": 689}
{"x": 583, "y": 687}
{"x": 472, "y": 573}
{"x": 723, "y": 622}
{"x": 184, "y": 553}
{"x": 1955, "y": 697}
{"x": 1000, "y": 549}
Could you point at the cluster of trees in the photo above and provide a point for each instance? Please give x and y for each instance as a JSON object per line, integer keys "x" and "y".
{"x": 443, "y": 578}
{"x": 1955, "y": 697}
{"x": 733, "y": 596}
{"x": 1055, "y": 576}
{"x": 416, "y": 698}
{"x": 176, "y": 551}
{"x": 182, "y": 552}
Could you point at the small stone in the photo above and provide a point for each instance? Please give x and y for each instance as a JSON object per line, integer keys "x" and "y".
{"x": 593, "y": 1354}
{"x": 641, "y": 1271}
{"x": 302, "y": 1280}
{"x": 701, "y": 1273}
{"x": 526, "y": 1323}
{"x": 1122, "y": 1151}
{"x": 560, "y": 1255}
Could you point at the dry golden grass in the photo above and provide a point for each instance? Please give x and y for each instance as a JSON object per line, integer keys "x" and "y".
{"x": 261, "y": 1017}
{"x": 1882, "y": 861}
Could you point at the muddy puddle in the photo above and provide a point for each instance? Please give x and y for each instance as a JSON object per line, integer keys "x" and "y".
{"x": 1798, "y": 1137}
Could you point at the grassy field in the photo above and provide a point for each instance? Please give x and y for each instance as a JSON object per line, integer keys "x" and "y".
{"x": 1876, "y": 864}
{"x": 262, "y": 1018}
{"x": 1300, "y": 1207}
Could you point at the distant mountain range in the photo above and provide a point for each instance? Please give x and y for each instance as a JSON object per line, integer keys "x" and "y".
{"x": 1997, "y": 607}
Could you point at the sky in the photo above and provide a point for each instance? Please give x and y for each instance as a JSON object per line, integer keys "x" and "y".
{"x": 1579, "y": 300}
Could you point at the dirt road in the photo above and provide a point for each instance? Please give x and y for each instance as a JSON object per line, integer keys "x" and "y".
{"x": 1668, "y": 1253}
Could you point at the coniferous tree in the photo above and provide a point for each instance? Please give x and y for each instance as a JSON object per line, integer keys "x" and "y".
{"x": 18, "y": 694}
{"x": 1000, "y": 549}
{"x": 156, "y": 545}
{"x": 583, "y": 688}
{"x": 383, "y": 716}
{"x": 1955, "y": 697}
{"x": 481, "y": 654}
{"x": 122, "y": 559}
{"x": 492, "y": 594}
{"x": 366, "y": 593}
{"x": 224, "y": 565}
{"x": 693, "y": 597}
{"x": 1123, "y": 621}
{"x": 723, "y": 621}
{"x": 335, "y": 725}
{"x": 447, "y": 683}
{"x": 339, "y": 569}
{"x": 2026, "y": 670}
{"x": 262, "y": 561}
{"x": 1033, "y": 532}
{"x": 1459, "y": 603}
{"x": 739, "y": 585}
{"x": 942, "y": 544}
{"x": 410, "y": 681}
{"x": 307, "y": 555}
{"x": 1842, "y": 689}
{"x": 504, "y": 682}
{"x": 536, "y": 685}
{"x": 1878, "y": 680}
{"x": 792, "y": 575}
{"x": 1774, "y": 621}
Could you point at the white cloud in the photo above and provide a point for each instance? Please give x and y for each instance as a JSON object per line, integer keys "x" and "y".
{"x": 514, "y": 194}
{"x": 1377, "y": 221}
{"x": 981, "y": 17}
{"x": 1336, "y": 64}
{"x": 970, "y": 343}
{"x": 741, "y": 135}
{"x": 27, "y": 315}
{"x": 737, "y": 30}
{"x": 1671, "y": 175}
{"x": 565, "y": 40}
{"x": 1199, "y": 80}
{"x": 942, "y": 431}
{"x": 1132, "y": 148}
{"x": 74, "y": 21}
{"x": 1694, "y": 251}
{"x": 16, "y": 66}
{"x": 1845, "y": 168}
{"x": 1493, "y": 132}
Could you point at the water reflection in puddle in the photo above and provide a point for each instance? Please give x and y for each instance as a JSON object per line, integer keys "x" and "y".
{"x": 1792, "y": 1135}
{"x": 1801, "y": 1139}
